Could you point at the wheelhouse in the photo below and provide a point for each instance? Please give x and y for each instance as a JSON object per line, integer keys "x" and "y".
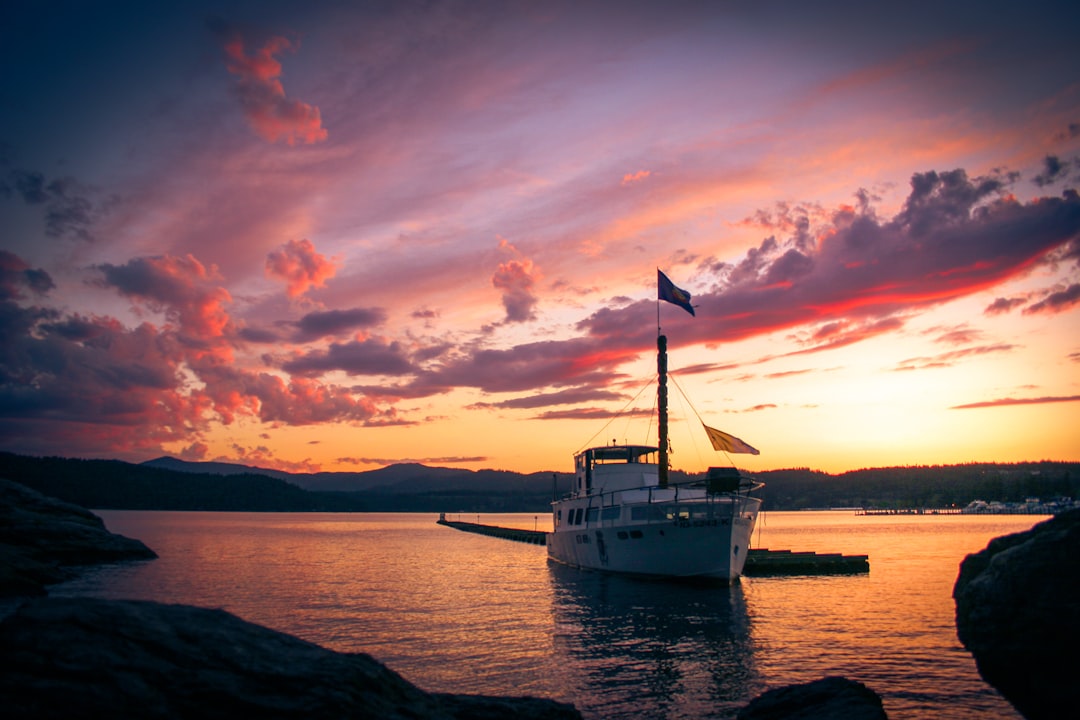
{"x": 614, "y": 467}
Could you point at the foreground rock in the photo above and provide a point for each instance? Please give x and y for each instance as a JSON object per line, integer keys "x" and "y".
{"x": 42, "y": 539}
{"x": 1018, "y": 612}
{"x": 831, "y": 698}
{"x": 80, "y": 657}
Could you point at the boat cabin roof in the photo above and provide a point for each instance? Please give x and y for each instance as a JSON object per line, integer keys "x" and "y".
{"x": 617, "y": 453}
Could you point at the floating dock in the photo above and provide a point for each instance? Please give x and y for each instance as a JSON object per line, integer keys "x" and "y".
{"x": 759, "y": 563}
{"x": 763, "y": 563}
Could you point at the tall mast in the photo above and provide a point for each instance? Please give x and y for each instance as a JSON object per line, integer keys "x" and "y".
{"x": 661, "y": 371}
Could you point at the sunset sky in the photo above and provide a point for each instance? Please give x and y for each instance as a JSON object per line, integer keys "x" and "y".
{"x": 339, "y": 235}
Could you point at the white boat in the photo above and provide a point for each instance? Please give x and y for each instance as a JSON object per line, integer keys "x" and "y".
{"x": 622, "y": 514}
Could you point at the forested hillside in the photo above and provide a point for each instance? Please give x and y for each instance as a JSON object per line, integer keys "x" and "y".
{"x": 111, "y": 484}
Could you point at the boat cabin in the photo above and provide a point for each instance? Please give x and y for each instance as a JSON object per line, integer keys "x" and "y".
{"x": 614, "y": 467}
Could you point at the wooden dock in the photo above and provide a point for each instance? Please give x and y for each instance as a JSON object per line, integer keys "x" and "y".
{"x": 759, "y": 563}
{"x": 535, "y": 537}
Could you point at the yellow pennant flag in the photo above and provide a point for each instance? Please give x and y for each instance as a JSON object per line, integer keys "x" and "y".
{"x": 728, "y": 443}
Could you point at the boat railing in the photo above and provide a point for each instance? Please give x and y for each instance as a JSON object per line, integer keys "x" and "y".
{"x": 658, "y": 494}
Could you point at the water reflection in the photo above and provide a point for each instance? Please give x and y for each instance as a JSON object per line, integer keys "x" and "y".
{"x": 632, "y": 647}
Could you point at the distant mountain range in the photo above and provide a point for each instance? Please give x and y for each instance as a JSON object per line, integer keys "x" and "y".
{"x": 168, "y": 483}
{"x": 402, "y": 478}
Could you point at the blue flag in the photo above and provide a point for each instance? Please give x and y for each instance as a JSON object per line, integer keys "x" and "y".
{"x": 667, "y": 291}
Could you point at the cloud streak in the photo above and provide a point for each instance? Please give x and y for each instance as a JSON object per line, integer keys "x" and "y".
{"x": 1017, "y": 401}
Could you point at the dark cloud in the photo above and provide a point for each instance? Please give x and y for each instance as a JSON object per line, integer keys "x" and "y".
{"x": 941, "y": 200}
{"x": 16, "y": 274}
{"x": 321, "y": 324}
{"x": 30, "y": 186}
{"x": 1056, "y": 302}
{"x": 1001, "y": 306}
{"x": 259, "y": 335}
{"x": 789, "y": 267}
{"x": 578, "y": 362}
{"x": 571, "y": 396}
{"x": 1053, "y": 170}
{"x": 70, "y": 208}
{"x": 358, "y": 357}
{"x": 591, "y": 414}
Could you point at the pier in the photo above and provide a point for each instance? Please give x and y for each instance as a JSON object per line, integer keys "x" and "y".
{"x": 759, "y": 563}
{"x": 534, "y": 537}
{"x": 910, "y": 511}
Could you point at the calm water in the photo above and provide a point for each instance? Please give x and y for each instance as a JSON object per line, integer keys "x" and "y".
{"x": 457, "y": 612}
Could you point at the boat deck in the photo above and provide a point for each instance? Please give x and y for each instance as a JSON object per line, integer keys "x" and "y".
{"x": 760, "y": 562}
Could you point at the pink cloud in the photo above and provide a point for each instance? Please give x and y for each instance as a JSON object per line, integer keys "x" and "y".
{"x": 272, "y": 115}
{"x": 96, "y": 387}
{"x": 516, "y": 279}
{"x": 300, "y": 266}
{"x": 181, "y": 287}
{"x": 954, "y": 236}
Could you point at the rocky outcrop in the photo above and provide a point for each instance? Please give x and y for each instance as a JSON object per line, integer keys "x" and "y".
{"x": 831, "y": 698}
{"x": 42, "y": 539}
{"x": 81, "y": 657}
{"x": 1018, "y": 613}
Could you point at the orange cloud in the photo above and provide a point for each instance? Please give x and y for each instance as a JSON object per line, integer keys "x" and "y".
{"x": 272, "y": 115}
{"x": 300, "y": 266}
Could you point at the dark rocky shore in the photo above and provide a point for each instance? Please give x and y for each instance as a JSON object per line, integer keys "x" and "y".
{"x": 84, "y": 657}
{"x": 44, "y": 541}
{"x": 81, "y": 657}
{"x": 1018, "y": 613}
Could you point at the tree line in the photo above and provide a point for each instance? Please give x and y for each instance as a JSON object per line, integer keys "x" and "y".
{"x": 112, "y": 484}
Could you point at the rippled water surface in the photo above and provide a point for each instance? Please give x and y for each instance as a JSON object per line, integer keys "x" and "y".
{"x": 455, "y": 612}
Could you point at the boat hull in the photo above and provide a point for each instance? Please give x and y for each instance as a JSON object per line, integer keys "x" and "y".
{"x": 713, "y": 549}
